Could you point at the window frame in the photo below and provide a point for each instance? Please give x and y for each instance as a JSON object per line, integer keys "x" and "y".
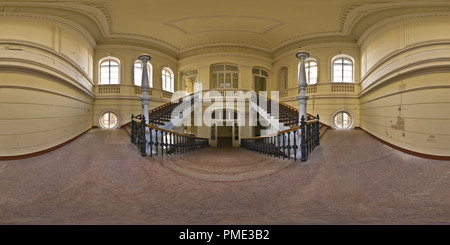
{"x": 233, "y": 74}
{"x": 350, "y": 115}
{"x": 352, "y": 65}
{"x": 308, "y": 71}
{"x": 109, "y": 59}
{"x": 171, "y": 84}
{"x": 102, "y": 125}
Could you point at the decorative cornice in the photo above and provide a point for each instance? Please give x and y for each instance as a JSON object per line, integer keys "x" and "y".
{"x": 353, "y": 14}
{"x": 97, "y": 12}
{"x": 397, "y": 53}
{"x": 100, "y": 14}
{"x": 54, "y": 19}
{"x": 269, "y": 24}
{"x": 52, "y": 52}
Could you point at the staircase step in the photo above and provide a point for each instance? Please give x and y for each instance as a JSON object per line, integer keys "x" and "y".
{"x": 128, "y": 129}
{"x": 322, "y": 130}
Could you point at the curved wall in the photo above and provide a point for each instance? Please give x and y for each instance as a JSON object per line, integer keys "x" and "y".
{"x": 46, "y": 88}
{"x": 324, "y": 98}
{"x": 124, "y": 98}
{"x": 406, "y": 82}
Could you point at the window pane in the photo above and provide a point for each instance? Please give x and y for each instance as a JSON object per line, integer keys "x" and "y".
{"x": 235, "y": 80}
{"x": 231, "y": 68}
{"x": 342, "y": 120}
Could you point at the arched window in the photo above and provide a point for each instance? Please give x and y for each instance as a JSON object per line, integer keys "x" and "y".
{"x": 311, "y": 71}
{"x": 109, "y": 71}
{"x": 138, "y": 73}
{"x": 167, "y": 79}
{"x": 343, "y": 70}
{"x": 224, "y": 76}
{"x": 109, "y": 120}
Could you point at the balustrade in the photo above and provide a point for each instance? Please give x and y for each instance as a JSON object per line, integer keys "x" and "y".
{"x": 161, "y": 142}
{"x": 285, "y": 144}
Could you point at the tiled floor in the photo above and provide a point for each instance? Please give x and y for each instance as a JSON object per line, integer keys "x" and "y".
{"x": 101, "y": 179}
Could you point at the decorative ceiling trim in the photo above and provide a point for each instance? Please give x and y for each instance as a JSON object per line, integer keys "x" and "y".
{"x": 97, "y": 12}
{"x": 353, "y": 14}
{"x": 101, "y": 15}
{"x": 213, "y": 23}
{"x": 53, "y": 19}
{"x": 368, "y": 33}
{"x": 224, "y": 44}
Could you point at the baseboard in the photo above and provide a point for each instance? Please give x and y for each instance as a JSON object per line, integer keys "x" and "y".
{"x": 18, "y": 157}
{"x": 414, "y": 153}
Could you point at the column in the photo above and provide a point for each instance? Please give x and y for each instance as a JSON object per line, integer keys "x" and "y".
{"x": 302, "y": 97}
{"x": 145, "y": 98}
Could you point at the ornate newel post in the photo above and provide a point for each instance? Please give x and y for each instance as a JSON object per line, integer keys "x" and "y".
{"x": 302, "y": 97}
{"x": 145, "y": 98}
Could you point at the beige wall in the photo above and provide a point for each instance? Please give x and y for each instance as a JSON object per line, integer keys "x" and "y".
{"x": 406, "y": 83}
{"x": 412, "y": 113}
{"x": 38, "y": 112}
{"x": 244, "y": 62}
{"x": 46, "y": 87}
{"x": 323, "y": 100}
{"x": 127, "y": 102}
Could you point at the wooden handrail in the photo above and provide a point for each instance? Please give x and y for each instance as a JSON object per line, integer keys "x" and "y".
{"x": 284, "y": 131}
{"x": 167, "y": 131}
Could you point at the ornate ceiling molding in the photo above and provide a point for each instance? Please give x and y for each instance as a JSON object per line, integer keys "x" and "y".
{"x": 354, "y": 14}
{"x": 214, "y": 23}
{"x": 97, "y": 17}
{"x": 96, "y": 12}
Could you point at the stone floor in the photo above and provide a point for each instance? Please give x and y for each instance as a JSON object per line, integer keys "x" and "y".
{"x": 101, "y": 179}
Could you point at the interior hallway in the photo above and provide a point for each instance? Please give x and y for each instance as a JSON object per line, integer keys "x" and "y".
{"x": 101, "y": 179}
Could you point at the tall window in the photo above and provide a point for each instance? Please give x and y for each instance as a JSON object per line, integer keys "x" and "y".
{"x": 138, "y": 73}
{"x": 167, "y": 79}
{"x": 109, "y": 71}
{"x": 260, "y": 79}
{"x": 224, "y": 76}
{"x": 311, "y": 71}
{"x": 342, "y": 70}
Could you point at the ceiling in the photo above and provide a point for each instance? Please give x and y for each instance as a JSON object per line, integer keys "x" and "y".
{"x": 182, "y": 26}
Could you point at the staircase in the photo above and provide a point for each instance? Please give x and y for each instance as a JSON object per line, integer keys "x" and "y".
{"x": 288, "y": 136}
{"x": 171, "y": 114}
{"x": 285, "y": 116}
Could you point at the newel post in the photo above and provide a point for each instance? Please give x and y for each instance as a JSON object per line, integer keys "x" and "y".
{"x": 303, "y": 143}
{"x": 302, "y": 97}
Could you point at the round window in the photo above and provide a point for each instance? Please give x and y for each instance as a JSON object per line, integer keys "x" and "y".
{"x": 342, "y": 120}
{"x": 109, "y": 120}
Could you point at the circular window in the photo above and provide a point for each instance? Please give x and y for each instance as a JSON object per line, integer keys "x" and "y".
{"x": 109, "y": 120}
{"x": 342, "y": 120}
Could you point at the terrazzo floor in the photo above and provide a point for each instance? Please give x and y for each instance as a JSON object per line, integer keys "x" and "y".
{"x": 101, "y": 179}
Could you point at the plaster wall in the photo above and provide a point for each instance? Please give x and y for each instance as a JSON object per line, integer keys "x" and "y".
{"x": 406, "y": 83}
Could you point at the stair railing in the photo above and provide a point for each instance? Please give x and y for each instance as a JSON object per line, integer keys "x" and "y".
{"x": 157, "y": 141}
{"x": 296, "y": 142}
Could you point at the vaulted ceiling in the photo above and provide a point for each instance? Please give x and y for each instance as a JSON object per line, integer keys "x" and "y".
{"x": 180, "y": 26}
